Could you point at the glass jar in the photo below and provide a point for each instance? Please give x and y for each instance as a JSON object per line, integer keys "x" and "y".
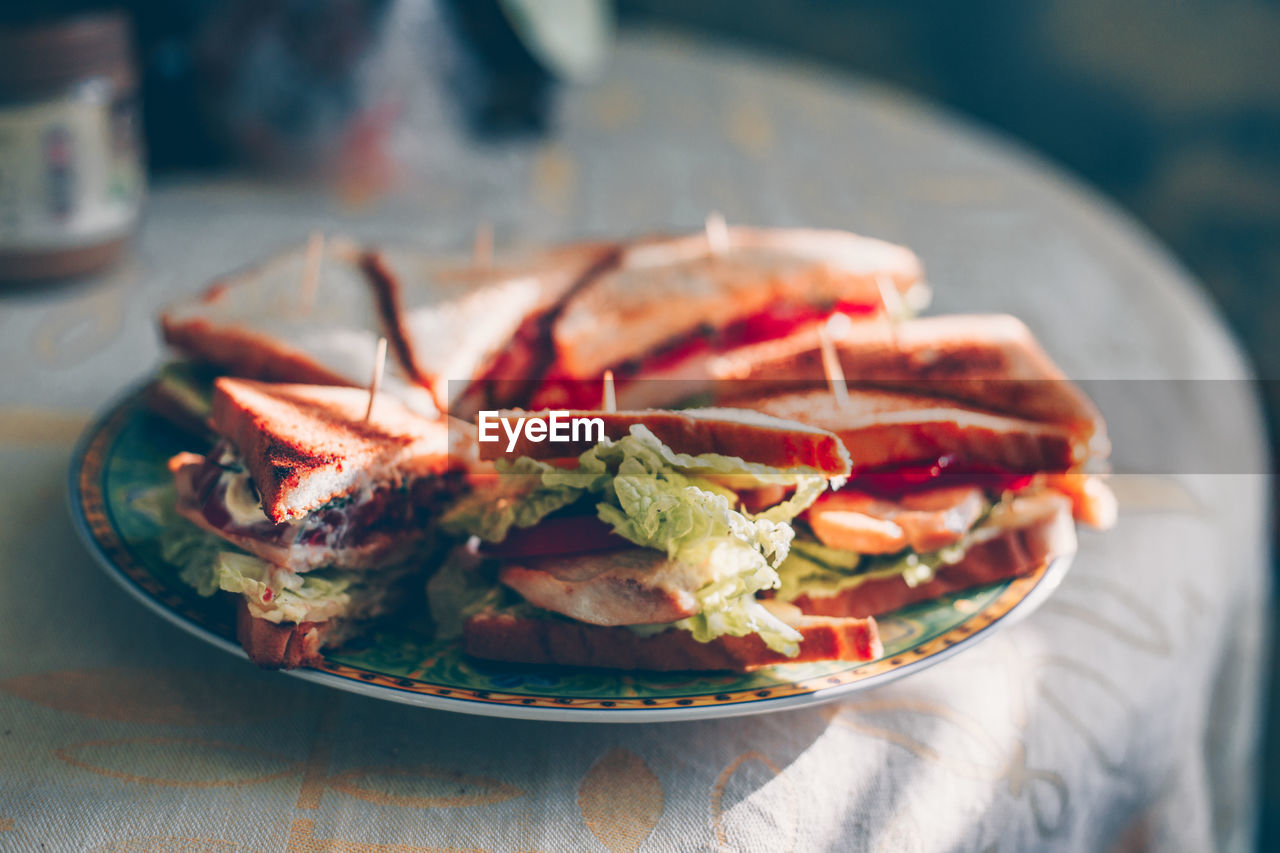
{"x": 71, "y": 174}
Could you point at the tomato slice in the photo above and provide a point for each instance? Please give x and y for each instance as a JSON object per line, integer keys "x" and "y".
{"x": 568, "y": 534}
{"x": 897, "y": 480}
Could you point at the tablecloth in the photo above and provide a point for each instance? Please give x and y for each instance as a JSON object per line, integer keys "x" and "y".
{"x": 1122, "y": 715}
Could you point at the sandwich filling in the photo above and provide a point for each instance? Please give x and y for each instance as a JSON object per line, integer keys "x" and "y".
{"x": 561, "y": 388}
{"x": 209, "y": 564}
{"x": 713, "y": 530}
{"x": 848, "y": 538}
{"x": 219, "y": 489}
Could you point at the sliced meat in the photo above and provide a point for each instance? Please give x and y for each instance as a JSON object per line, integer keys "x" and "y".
{"x": 631, "y": 586}
{"x": 926, "y": 521}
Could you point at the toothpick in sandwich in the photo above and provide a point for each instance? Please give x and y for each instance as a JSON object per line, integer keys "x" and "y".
{"x": 837, "y": 327}
{"x": 610, "y": 402}
{"x": 379, "y": 362}
{"x": 311, "y": 269}
{"x": 891, "y": 302}
{"x": 717, "y": 234}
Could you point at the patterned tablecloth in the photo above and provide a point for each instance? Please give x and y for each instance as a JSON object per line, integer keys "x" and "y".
{"x": 1123, "y": 715}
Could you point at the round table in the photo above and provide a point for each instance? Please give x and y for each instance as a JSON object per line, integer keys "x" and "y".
{"x": 1122, "y": 715}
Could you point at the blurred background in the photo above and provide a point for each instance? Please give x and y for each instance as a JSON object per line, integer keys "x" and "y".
{"x": 1170, "y": 109}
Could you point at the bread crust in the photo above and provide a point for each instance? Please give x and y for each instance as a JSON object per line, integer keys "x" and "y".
{"x": 233, "y": 323}
{"x": 306, "y": 445}
{"x": 884, "y": 428}
{"x": 286, "y": 645}
{"x": 740, "y": 433}
{"x": 244, "y": 353}
{"x": 503, "y": 636}
{"x": 664, "y": 288}
{"x": 463, "y": 301}
{"x": 990, "y": 361}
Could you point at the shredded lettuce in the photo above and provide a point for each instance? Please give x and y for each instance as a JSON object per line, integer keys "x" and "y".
{"x": 674, "y": 502}
{"x": 207, "y": 564}
{"x": 459, "y": 589}
{"x": 823, "y": 572}
{"x": 729, "y": 604}
{"x": 279, "y": 595}
{"x": 520, "y": 496}
{"x": 817, "y": 552}
{"x": 193, "y": 551}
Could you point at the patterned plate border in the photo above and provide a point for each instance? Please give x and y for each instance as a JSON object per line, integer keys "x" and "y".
{"x": 93, "y": 521}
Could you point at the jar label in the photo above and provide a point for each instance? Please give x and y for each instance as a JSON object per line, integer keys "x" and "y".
{"x": 70, "y": 174}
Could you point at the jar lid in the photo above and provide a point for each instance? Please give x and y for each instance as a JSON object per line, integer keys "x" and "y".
{"x": 44, "y": 56}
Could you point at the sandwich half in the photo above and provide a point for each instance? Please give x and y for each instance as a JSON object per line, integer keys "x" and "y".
{"x": 306, "y": 511}
{"x": 652, "y": 548}
{"x": 943, "y": 496}
{"x": 475, "y": 336}
{"x": 991, "y": 361}
{"x": 264, "y": 323}
{"x": 660, "y": 315}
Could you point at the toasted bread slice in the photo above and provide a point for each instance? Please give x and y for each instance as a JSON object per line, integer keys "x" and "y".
{"x": 989, "y": 361}
{"x": 305, "y": 445}
{"x": 752, "y": 436}
{"x": 1016, "y": 539}
{"x": 375, "y": 550}
{"x": 496, "y": 635}
{"x": 261, "y": 323}
{"x": 453, "y": 323}
{"x": 883, "y": 428}
{"x": 665, "y": 289}
{"x": 280, "y": 646}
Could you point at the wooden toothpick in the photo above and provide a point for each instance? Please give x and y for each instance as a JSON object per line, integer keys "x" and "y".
{"x": 717, "y": 233}
{"x": 830, "y": 360}
{"x": 891, "y": 302}
{"x": 482, "y": 249}
{"x": 311, "y": 269}
{"x": 379, "y": 362}
{"x": 610, "y": 402}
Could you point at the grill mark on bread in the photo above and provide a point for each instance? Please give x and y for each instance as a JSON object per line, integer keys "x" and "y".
{"x": 306, "y": 445}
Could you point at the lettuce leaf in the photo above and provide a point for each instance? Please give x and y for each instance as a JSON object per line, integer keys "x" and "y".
{"x": 521, "y": 496}
{"x": 729, "y": 604}
{"x": 279, "y": 595}
{"x": 460, "y": 588}
{"x": 193, "y": 551}
{"x": 673, "y": 502}
{"x": 209, "y": 564}
{"x": 807, "y": 569}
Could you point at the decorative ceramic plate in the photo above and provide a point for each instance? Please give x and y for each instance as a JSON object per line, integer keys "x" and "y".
{"x": 118, "y": 473}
